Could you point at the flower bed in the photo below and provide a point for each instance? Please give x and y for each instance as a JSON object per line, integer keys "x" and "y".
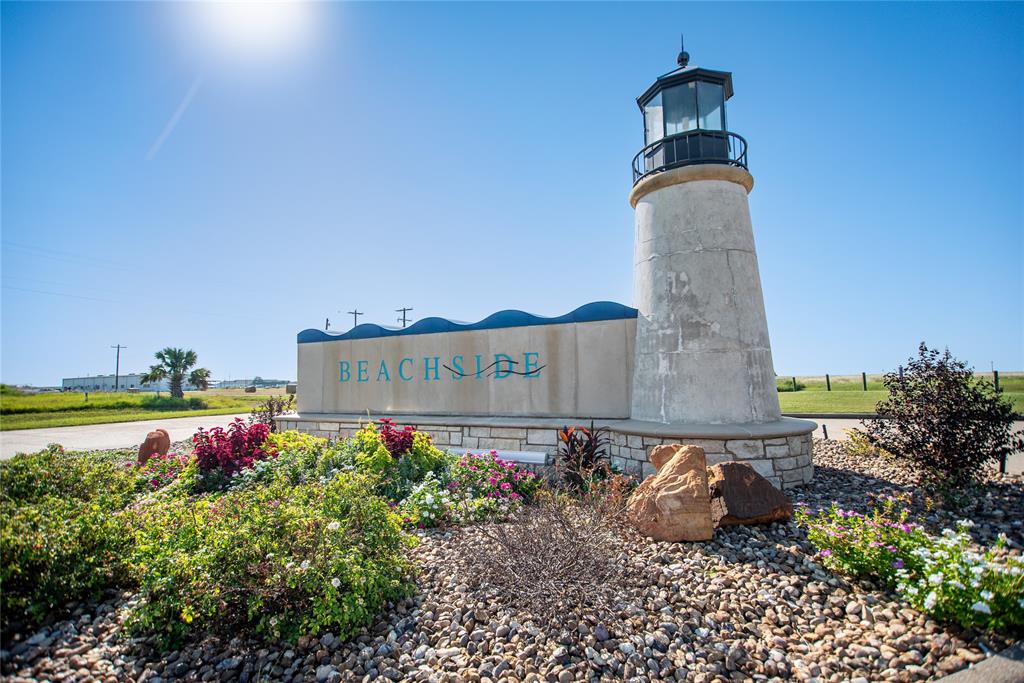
{"x": 938, "y": 575}
{"x": 281, "y": 534}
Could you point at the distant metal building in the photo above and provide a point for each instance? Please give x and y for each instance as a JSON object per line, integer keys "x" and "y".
{"x": 124, "y": 382}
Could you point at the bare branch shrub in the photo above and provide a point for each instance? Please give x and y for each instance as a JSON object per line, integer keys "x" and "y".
{"x": 551, "y": 558}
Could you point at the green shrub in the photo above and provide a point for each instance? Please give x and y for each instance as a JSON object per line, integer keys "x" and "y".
{"x": 939, "y": 576}
{"x": 299, "y": 458}
{"x": 60, "y": 537}
{"x": 429, "y": 504}
{"x": 398, "y": 472}
{"x": 285, "y": 560}
{"x": 167, "y": 403}
{"x": 784, "y": 384}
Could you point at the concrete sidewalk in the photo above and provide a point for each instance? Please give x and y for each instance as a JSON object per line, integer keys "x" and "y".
{"x": 106, "y": 436}
{"x": 837, "y": 429}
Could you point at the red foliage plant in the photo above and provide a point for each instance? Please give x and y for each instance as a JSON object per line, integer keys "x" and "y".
{"x": 230, "y": 451}
{"x": 397, "y": 441}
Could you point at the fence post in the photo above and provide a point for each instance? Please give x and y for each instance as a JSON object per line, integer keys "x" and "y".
{"x": 794, "y": 384}
{"x": 995, "y": 379}
{"x": 824, "y": 430}
{"x": 864, "y": 380}
{"x": 828, "y": 383}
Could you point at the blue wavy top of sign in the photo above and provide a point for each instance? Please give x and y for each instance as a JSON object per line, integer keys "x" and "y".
{"x": 597, "y": 310}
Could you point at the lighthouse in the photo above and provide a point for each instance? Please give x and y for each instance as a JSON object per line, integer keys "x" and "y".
{"x": 702, "y": 353}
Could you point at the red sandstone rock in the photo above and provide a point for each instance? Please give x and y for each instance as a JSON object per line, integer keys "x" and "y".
{"x": 157, "y": 441}
{"x": 673, "y": 504}
{"x": 739, "y": 495}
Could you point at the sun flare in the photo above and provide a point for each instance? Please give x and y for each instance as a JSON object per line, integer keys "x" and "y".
{"x": 256, "y": 31}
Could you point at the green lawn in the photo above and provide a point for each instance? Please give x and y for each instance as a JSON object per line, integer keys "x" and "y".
{"x": 848, "y": 395}
{"x": 34, "y": 411}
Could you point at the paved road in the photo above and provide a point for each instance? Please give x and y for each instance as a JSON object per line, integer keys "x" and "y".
{"x": 103, "y": 436}
{"x": 837, "y": 430}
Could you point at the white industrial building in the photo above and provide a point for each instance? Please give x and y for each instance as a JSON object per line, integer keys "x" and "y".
{"x": 124, "y": 382}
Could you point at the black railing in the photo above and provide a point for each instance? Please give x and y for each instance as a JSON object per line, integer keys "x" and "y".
{"x": 691, "y": 147}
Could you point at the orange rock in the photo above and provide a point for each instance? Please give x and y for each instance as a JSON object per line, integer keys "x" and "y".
{"x": 673, "y": 504}
{"x": 157, "y": 441}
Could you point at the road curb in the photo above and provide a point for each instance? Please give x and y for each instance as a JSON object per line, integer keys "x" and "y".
{"x": 1003, "y": 667}
{"x": 835, "y": 416}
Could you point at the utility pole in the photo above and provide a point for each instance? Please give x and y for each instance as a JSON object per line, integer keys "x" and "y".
{"x": 327, "y": 324}
{"x": 355, "y": 316}
{"x": 117, "y": 365}
{"x": 403, "y": 319}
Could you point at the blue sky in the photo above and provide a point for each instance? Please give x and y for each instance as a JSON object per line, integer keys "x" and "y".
{"x": 466, "y": 158}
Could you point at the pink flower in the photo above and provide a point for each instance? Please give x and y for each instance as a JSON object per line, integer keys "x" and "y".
{"x": 505, "y": 486}
{"x": 826, "y": 553}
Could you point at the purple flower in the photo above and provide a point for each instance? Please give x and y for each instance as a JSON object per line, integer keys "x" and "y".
{"x": 826, "y": 553}
{"x": 897, "y": 563}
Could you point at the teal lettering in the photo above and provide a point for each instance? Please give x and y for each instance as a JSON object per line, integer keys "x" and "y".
{"x": 478, "y": 368}
{"x": 401, "y": 364}
{"x": 457, "y": 365}
{"x": 498, "y": 372}
{"x": 531, "y": 364}
{"x": 427, "y": 369}
{"x": 383, "y": 371}
{"x": 361, "y": 371}
{"x": 344, "y": 374}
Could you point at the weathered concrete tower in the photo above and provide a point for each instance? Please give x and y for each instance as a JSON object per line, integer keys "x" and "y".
{"x": 702, "y": 353}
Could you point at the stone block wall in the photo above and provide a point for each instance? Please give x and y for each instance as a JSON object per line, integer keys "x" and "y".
{"x": 784, "y": 461}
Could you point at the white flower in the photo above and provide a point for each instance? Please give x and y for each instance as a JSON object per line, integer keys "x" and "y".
{"x": 981, "y": 607}
{"x": 977, "y": 571}
{"x": 986, "y": 595}
{"x": 935, "y": 579}
{"x": 930, "y": 599}
{"x": 429, "y": 500}
{"x": 1021, "y": 603}
{"x": 304, "y": 565}
{"x": 948, "y": 533}
{"x": 289, "y": 565}
{"x": 333, "y": 526}
{"x": 956, "y": 584}
{"x": 273, "y": 621}
{"x": 335, "y": 582}
{"x": 966, "y": 523}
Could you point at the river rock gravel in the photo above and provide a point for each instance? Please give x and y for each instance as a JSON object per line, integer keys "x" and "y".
{"x": 752, "y": 604}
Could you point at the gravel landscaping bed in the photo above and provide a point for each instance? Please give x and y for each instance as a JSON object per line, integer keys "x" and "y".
{"x": 750, "y": 605}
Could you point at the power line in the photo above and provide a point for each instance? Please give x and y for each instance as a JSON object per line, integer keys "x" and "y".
{"x": 403, "y": 319}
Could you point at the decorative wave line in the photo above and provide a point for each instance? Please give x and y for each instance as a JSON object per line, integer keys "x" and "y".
{"x": 592, "y": 312}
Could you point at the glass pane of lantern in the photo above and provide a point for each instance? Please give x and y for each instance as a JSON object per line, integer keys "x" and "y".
{"x": 654, "y": 120}
{"x": 680, "y": 109}
{"x": 709, "y": 97}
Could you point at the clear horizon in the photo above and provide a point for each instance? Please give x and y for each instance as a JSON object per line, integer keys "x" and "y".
{"x": 171, "y": 181}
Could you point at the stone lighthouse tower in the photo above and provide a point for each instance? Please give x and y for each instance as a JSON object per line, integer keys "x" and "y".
{"x": 702, "y": 354}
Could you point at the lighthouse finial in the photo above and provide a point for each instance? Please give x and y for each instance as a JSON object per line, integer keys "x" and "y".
{"x": 684, "y": 57}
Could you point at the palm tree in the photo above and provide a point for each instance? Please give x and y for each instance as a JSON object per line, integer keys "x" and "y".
{"x": 173, "y": 365}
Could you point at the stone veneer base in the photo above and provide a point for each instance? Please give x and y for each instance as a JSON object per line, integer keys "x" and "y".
{"x": 780, "y": 451}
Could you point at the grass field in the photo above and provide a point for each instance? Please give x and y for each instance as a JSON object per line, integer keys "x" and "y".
{"x": 34, "y": 411}
{"x": 848, "y": 395}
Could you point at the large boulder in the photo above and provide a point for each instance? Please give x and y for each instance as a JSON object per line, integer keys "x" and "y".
{"x": 673, "y": 504}
{"x": 739, "y": 495}
{"x": 157, "y": 441}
